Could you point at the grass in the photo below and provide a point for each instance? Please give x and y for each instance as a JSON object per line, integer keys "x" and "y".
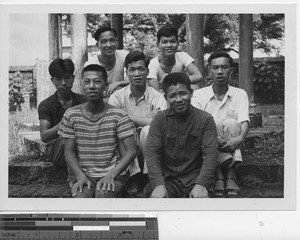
{"x": 18, "y": 123}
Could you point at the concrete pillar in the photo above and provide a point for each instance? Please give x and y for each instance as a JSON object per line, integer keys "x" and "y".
{"x": 44, "y": 85}
{"x": 117, "y": 23}
{"x": 55, "y": 36}
{"x": 194, "y": 36}
{"x": 246, "y": 55}
{"x": 79, "y": 46}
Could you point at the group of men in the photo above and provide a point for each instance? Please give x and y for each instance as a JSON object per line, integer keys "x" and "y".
{"x": 140, "y": 118}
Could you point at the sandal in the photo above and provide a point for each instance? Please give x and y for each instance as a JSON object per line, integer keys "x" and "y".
{"x": 219, "y": 188}
{"x": 233, "y": 190}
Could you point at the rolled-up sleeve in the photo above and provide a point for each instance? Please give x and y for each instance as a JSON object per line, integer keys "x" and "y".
{"x": 210, "y": 153}
{"x": 243, "y": 107}
{"x": 154, "y": 151}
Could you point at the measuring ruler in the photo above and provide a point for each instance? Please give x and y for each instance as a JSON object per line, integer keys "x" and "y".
{"x": 78, "y": 226}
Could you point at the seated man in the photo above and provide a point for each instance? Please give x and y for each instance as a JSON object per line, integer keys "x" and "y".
{"x": 169, "y": 60}
{"x": 230, "y": 108}
{"x": 92, "y": 133}
{"x": 52, "y": 109}
{"x": 110, "y": 58}
{"x": 140, "y": 101}
{"x": 182, "y": 145}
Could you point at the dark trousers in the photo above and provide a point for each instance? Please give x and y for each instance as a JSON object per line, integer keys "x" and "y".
{"x": 56, "y": 154}
{"x": 176, "y": 189}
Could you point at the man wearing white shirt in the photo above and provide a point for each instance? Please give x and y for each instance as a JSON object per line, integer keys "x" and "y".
{"x": 230, "y": 108}
{"x": 110, "y": 58}
{"x": 140, "y": 101}
{"x": 169, "y": 60}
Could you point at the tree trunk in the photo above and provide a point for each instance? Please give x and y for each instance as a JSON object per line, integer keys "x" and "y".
{"x": 194, "y": 36}
{"x": 55, "y": 36}
{"x": 246, "y": 55}
{"x": 117, "y": 23}
{"x": 79, "y": 46}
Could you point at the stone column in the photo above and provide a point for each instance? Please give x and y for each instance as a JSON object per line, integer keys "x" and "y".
{"x": 55, "y": 36}
{"x": 44, "y": 86}
{"x": 79, "y": 46}
{"x": 117, "y": 23}
{"x": 246, "y": 55}
{"x": 194, "y": 36}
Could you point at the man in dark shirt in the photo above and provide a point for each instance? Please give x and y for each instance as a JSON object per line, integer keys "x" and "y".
{"x": 52, "y": 109}
{"x": 182, "y": 145}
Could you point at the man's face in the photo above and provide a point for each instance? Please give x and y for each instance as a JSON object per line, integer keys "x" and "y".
{"x": 220, "y": 70}
{"x": 137, "y": 73}
{"x": 179, "y": 98}
{"x": 107, "y": 43}
{"x": 63, "y": 82}
{"x": 93, "y": 85}
{"x": 168, "y": 45}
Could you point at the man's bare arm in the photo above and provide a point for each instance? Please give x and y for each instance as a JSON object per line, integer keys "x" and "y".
{"x": 46, "y": 132}
{"x": 73, "y": 162}
{"x": 107, "y": 182}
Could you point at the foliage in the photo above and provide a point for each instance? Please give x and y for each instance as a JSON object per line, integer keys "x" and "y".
{"x": 267, "y": 146}
{"x": 221, "y": 30}
{"x": 15, "y": 92}
{"x": 18, "y": 123}
{"x": 268, "y": 82}
{"x": 265, "y": 28}
{"x": 251, "y": 181}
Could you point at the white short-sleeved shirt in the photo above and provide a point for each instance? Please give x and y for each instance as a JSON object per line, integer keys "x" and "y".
{"x": 117, "y": 73}
{"x": 147, "y": 106}
{"x": 235, "y": 104}
{"x": 182, "y": 60}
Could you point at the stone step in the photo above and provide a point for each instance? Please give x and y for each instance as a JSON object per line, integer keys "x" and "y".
{"x": 267, "y": 170}
{"x": 35, "y": 190}
{"x": 273, "y": 120}
{"x": 254, "y": 134}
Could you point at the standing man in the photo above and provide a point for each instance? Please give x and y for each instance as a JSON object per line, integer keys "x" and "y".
{"x": 140, "y": 101}
{"x": 169, "y": 60}
{"x": 110, "y": 58}
{"x": 93, "y": 132}
{"x": 230, "y": 108}
{"x": 182, "y": 145}
{"x": 51, "y": 109}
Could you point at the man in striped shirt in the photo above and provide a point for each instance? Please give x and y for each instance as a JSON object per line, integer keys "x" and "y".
{"x": 93, "y": 132}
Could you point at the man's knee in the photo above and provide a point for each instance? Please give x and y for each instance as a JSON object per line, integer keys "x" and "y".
{"x": 121, "y": 184}
{"x": 105, "y": 194}
{"x": 85, "y": 193}
{"x": 232, "y": 127}
{"x": 55, "y": 152}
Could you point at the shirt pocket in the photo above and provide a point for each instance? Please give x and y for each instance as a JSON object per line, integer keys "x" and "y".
{"x": 195, "y": 140}
{"x": 170, "y": 140}
{"x": 232, "y": 114}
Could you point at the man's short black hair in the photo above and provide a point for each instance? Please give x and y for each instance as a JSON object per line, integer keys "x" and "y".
{"x": 59, "y": 66}
{"x": 219, "y": 54}
{"x": 135, "y": 56}
{"x": 95, "y": 67}
{"x": 174, "y": 79}
{"x": 167, "y": 31}
{"x": 104, "y": 29}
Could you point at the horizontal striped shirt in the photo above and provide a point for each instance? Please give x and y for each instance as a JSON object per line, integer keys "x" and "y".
{"x": 97, "y": 141}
